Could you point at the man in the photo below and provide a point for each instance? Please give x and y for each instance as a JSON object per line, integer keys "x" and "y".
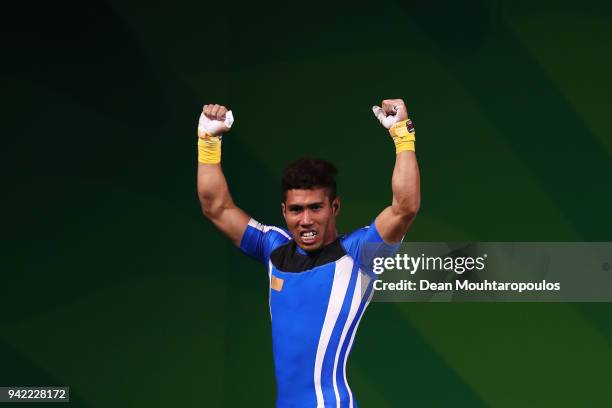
{"x": 315, "y": 275}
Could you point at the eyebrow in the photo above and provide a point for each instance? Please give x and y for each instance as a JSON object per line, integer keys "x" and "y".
{"x": 294, "y": 207}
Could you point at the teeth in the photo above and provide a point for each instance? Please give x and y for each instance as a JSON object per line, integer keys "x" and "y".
{"x": 309, "y": 234}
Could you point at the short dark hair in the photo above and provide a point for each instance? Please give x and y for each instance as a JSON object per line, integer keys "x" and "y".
{"x": 308, "y": 174}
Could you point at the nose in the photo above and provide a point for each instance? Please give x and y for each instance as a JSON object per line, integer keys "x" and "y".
{"x": 306, "y": 218}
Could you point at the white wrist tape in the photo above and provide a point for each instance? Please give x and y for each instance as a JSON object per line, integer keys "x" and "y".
{"x": 386, "y": 120}
{"x": 215, "y": 127}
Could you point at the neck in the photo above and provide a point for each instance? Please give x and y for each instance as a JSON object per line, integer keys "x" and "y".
{"x": 332, "y": 237}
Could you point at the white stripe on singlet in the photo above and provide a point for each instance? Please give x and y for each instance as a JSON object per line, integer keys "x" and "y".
{"x": 342, "y": 276}
{"x": 366, "y": 282}
{"x": 265, "y": 228}
{"x": 355, "y": 302}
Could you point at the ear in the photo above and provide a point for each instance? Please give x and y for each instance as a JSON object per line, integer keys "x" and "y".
{"x": 336, "y": 205}
{"x": 283, "y": 208}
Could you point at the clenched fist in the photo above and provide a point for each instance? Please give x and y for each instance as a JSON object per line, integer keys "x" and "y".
{"x": 392, "y": 111}
{"x": 215, "y": 120}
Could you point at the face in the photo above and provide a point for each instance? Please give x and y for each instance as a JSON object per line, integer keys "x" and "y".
{"x": 311, "y": 217}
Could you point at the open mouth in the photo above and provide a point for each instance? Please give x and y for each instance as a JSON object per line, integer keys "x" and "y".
{"x": 308, "y": 237}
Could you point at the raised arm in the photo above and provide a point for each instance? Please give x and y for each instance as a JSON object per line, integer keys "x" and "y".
{"x": 213, "y": 192}
{"x": 394, "y": 221}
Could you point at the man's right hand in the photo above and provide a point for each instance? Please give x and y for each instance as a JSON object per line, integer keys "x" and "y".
{"x": 215, "y": 120}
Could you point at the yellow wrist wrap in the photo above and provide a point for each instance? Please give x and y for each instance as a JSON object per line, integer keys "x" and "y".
{"x": 403, "y": 135}
{"x": 209, "y": 149}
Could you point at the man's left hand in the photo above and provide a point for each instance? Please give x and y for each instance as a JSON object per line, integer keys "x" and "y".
{"x": 392, "y": 111}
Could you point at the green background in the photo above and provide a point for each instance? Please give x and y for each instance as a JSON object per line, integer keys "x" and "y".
{"x": 114, "y": 284}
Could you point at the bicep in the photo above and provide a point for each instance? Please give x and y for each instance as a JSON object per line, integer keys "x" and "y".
{"x": 232, "y": 222}
{"x": 392, "y": 226}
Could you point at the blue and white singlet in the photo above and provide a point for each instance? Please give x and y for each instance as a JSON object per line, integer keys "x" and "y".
{"x": 316, "y": 302}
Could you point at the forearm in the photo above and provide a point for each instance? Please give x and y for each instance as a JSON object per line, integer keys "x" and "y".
{"x": 405, "y": 185}
{"x": 213, "y": 191}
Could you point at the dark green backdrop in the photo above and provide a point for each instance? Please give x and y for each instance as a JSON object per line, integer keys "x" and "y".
{"x": 112, "y": 282}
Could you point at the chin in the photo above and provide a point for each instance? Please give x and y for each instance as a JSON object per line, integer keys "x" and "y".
{"x": 310, "y": 247}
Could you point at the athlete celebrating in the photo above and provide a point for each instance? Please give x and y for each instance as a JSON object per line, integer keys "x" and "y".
{"x": 318, "y": 287}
